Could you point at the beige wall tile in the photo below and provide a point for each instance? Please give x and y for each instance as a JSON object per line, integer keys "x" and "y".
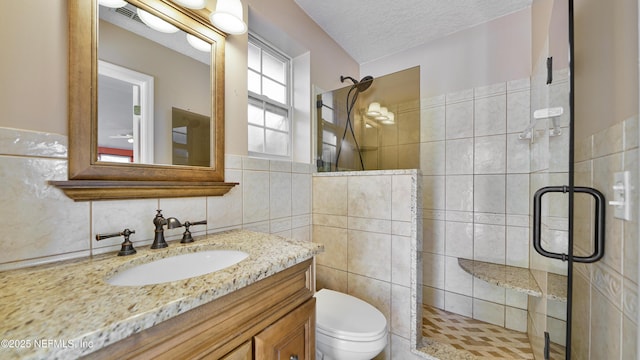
{"x": 629, "y": 339}
{"x": 433, "y": 236}
{"x": 433, "y": 270}
{"x": 605, "y": 328}
{"x": 401, "y": 197}
{"x": 368, "y": 224}
{"x": 255, "y": 196}
{"x": 335, "y": 246}
{"x": 115, "y": 216}
{"x": 433, "y": 297}
{"x": 488, "y": 312}
{"x": 608, "y": 141}
{"x": 43, "y": 221}
{"x": 515, "y": 319}
{"x": 339, "y": 221}
{"x": 300, "y": 194}
{"x": 370, "y": 254}
{"x": 401, "y": 260}
{"x": 432, "y": 124}
{"x": 330, "y": 278}
{"x": 518, "y": 110}
{"x": 370, "y": 196}
{"x": 484, "y": 291}
{"x": 279, "y": 194}
{"x": 329, "y": 195}
{"x": 580, "y": 325}
{"x": 375, "y": 292}
{"x": 225, "y": 211}
{"x": 490, "y": 115}
{"x": 459, "y": 304}
{"x": 400, "y": 310}
{"x": 433, "y": 195}
{"x": 456, "y": 279}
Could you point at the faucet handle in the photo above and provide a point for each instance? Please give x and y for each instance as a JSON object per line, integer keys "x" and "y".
{"x": 186, "y": 237}
{"x": 127, "y": 245}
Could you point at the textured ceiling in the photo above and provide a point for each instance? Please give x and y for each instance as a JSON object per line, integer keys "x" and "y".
{"x": 371, "y": 29}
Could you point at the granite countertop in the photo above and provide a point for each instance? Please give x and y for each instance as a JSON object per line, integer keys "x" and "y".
{"x": 65, "y": 310}
{"x": 516, "y": 278}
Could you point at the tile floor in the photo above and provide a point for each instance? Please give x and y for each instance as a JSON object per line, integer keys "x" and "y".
{"x": 450, "y": 336}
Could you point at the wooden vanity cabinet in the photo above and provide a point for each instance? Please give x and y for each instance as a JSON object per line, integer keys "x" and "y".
{"x": 273, "y": 318}
{"x": 289, "y": 338}
{"x": 243, "y": 352}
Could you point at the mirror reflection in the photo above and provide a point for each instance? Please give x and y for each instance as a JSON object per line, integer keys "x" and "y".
{"x": 154, "y": 91}
{"x": 383, "y": 132}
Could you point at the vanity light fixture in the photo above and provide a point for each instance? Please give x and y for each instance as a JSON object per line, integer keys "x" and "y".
{"x": 390, "y": 120}
{"x": 156, "y": 23}
{"x": 191, "y": 4}
{"x": 380, "y": 113}
{"x": 228, "y": 17}
{"x": 198, "y": 43}
{"x": 374, "y": 109}
{"x": 383, "y": 114}
{"x": 114, "y": 4}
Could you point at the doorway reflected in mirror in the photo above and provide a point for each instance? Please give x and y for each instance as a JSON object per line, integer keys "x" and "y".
{"x": 191, "y": 136}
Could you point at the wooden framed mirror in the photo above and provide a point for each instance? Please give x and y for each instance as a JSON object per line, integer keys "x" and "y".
{"x": 93, "y": 177}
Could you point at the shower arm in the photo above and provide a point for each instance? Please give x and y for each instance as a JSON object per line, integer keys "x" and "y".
{"x": 343, "y": 78}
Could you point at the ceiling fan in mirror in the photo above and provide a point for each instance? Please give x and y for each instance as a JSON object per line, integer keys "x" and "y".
{"x": 128, "y": 137}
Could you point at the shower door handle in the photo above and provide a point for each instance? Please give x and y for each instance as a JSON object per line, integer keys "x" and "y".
{"x": 598, "y": 247}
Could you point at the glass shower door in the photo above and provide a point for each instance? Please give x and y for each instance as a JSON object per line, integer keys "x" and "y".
{"x": 584, "y": 160}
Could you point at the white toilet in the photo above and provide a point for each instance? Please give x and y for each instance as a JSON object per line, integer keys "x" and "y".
{"x": 348, "y": 328}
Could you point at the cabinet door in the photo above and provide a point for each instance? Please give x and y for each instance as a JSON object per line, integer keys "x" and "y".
{"x": 242, "y": 352}
{"x": 290, "y": 338}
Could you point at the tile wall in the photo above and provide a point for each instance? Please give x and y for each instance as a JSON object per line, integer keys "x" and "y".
{"x": 476, "y": 197}
{"x": 607, "y": 327}
{"x": 45, "y": 226}
{"x": 369, "y": 225}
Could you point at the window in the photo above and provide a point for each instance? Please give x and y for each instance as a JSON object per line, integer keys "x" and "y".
{"x": 329, "y": 131}
{"x": 269, "y": 100}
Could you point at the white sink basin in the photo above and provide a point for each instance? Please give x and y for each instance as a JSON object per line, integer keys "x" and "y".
{"x": 178, "y": 267}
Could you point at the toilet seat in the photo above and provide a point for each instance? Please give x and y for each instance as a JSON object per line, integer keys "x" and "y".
{"x": 348, "y": 318}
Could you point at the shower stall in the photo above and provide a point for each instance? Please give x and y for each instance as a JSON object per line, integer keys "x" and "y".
{"x": 520, "y": 221}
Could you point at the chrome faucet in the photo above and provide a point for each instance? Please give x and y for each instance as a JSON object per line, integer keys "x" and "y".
{"x": 159, "y": 221}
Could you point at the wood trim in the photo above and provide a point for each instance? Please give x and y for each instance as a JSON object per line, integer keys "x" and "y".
{"x": 217, "y": 328}
{"x": 243, "y": 352}
{"x": 83, "y": 66}
{"x": 87, "y": 190}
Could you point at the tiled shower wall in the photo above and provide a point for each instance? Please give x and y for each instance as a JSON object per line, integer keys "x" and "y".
{"x": 45, "y": 225}
{"x": 476, "y": 198}
{"x": 369, "y": 224}
{"x": 607, "y": 302}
